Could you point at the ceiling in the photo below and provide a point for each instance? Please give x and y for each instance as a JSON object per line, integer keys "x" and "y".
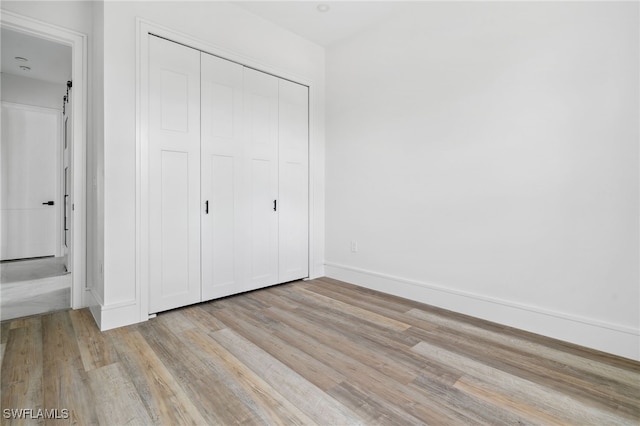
{"x": 51, "y": 61}
{"x": 342, "y": 20}
{"x": 48, "y": 61}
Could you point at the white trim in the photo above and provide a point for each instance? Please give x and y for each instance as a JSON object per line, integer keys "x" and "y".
{"x": 111, "y": 316}
{"x": 316, "y": 186}
{"x": 94, "y": 302}
{"x": 78, "y": 43}
{"x": 119, "y": 305}
{"x": 142, "y": 169}
{"x": 617, "y": 339}
{"x": 143, "y": 28}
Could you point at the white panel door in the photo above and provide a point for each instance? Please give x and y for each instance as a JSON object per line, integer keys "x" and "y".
{"x": 293, "y": 181}
{"x": 30, "y": 162}
{"x": 222, "y": 177}
{"x": 174, "y": 175}
{"x": 261, "y": 159}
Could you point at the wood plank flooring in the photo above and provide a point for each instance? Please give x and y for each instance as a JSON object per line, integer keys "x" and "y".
{"x": 317, "y": 352}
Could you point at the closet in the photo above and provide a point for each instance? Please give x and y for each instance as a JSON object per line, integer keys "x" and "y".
{"x": 228, "y": 177}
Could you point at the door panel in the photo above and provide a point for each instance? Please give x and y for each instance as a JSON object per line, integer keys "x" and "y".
{"x": 293, "y": 181}
{"x": 174, "y": 100}
{"x": 23, "y": 231}
{"x": 175, "y": 229}
{"x": 219, "y": 259}
{"x": 261, "y": 112}
{"x": 174, "y": 175}
{"x": 30, "y": 155}
{"x": 263, "y": 230}
{"x": 293, "y": 222}
{"x": 222, "y": 184}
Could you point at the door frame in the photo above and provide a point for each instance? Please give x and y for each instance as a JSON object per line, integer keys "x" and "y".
{"x": 78, "y": 44}
{"x": 143, "y": 29}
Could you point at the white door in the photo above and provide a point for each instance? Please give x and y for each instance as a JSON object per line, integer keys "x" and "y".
{"x": 261, "y": 159}
{"x": 30, "y": 153}
{"x": 293, "y": 181}
{"x": 174, "y": 175}
{"x": 222, "y": 182}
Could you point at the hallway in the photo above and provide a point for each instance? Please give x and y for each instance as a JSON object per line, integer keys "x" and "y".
{"x": 33, "y": 286}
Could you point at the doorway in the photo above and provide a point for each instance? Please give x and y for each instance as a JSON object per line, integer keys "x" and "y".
{"x": 34, "y": 75}
{"x": 43, "y": 106}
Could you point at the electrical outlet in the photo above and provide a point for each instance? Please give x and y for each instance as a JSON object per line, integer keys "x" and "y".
{"x": 354, "y": 246}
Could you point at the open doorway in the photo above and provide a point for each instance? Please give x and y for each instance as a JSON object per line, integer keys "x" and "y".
{"x": 36, "y": 175}
{"x": 74, "y": 254}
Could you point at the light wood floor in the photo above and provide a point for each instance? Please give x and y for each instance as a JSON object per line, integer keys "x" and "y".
{"x": 12, "y": 271}
{"x": 33, "y": 286}
{"x": 320, "y": 352}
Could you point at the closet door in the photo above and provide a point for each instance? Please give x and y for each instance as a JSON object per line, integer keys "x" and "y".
{"x": 222, "y": 177}
{"x": 174, "y": 175}
{"x": 293, "y": 181}
{"x": 261, "y": 160}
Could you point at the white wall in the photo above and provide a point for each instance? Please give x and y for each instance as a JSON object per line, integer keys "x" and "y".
{"x": 216, "y": 23}
{"x": 485, "y": 158}
{"x": 29, "y": 91}
{"x": 73, "y": 15}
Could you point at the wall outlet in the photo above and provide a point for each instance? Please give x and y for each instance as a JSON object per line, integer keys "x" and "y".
{"x": 354, "y": 246}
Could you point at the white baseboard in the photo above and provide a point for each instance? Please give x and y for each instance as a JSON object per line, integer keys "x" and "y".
{"x": 119, "y": 315}
{"x": 611, "y": 338}
{"x": 92, "y": 301}
{"x": 111, "y": 316}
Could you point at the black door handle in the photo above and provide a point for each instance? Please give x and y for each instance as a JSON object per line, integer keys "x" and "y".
{"x": 275, "y": 205}
{"x": 206, "y": 207}
{"x": 48, "y": 203}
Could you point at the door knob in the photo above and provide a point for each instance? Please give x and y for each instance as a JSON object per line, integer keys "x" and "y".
{"x": 48, "y": 203}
